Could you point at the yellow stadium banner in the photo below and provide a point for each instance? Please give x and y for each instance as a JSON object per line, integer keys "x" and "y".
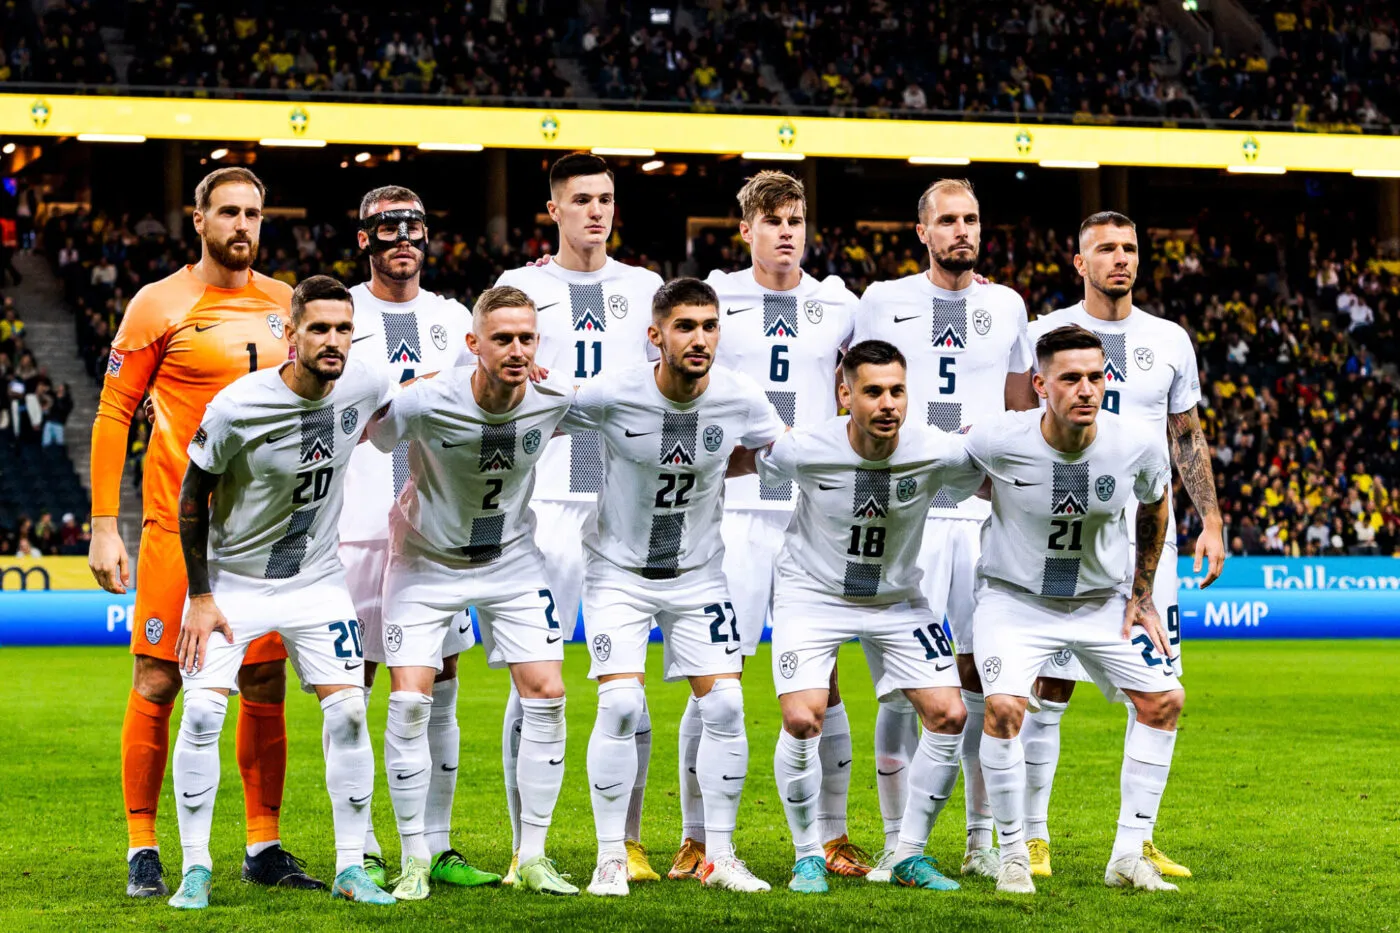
{"x": 314, "y": 123}
{"x": 45, "y": 573}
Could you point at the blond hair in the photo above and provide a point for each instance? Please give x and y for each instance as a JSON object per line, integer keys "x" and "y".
{"x": 943, "y": 186}
{"x": 766, "y": 192}
{"x": 502, "y": 296}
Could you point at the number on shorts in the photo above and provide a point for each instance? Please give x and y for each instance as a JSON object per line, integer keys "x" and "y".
{"x": 874, "y": 543}
{"x": 717, "y": 635}
{"x": 935, "y": 641}
{"x": 349, "y": 631}
{"x": 679, "y": 483}
{"x": 549, "y": 610}
{"x": 1059, "y": 527}
{"x": 492, "y": 499}
{"x": 312, "y": 485}
{"x": 1148, "y": 651}
{"x": 1174, "y": 626}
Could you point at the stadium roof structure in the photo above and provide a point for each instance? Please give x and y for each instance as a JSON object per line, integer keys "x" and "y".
{"x": 110, "y": 118}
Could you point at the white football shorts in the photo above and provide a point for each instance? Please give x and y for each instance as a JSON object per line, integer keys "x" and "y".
{"x": 365, "y": 563}
{"x": 948, "y": 558}
{"x": 752, "y": 540}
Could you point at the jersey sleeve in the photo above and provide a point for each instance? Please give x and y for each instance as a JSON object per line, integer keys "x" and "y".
{"x": 1022, "y": 354}
{"x": 979, "y": 444}
{"x": 1154, "y": 474}
{"x": 399, "y": 419}
{"x": 589, "y": 409}
{"x": 217, "y": 438}
{"x": 1185, "y": 392}
{"x": 777, "y": 463}
{"x": 764, "y": 424}
{"x": 960, "y": 476}
{"x": 861, "y": 327}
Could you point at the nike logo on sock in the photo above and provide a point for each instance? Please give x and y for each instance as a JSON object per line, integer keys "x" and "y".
{"x": 691, "y": 770}
{"x": 1142, "y": 816}
{"x": 842, "y": 764}
{"x": 462, "y": 629}
{"x": 405, "y": 777}
{"x": 936, "y": 798}
{"x": 888, "y": 773}
{"x": 141, "y": 810}
{"x": 446, "y": 768}
{"x": 738, "y": 778}
{"x": 802, "y": 801}
{"x": 609, "y": 787}
{"x": 359, "y": 800}
{"x": 556, "y": 761}
{"x": 201, "y": 793}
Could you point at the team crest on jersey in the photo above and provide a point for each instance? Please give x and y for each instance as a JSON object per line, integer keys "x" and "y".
{"x": 872, "y": 494}
{"x": 1115, "y": 357}
{"x": 787, "y": 664}
{"x": 1104, "y": 486}
{"x": 981, "y": 321}
{"x": 906, "y": 488}
{"x": 602, "y": 647}
{"x": 348, "y": 419}
{"x": 815, "y": 311}
{"x": 155, "y": 628}
{"x": 276, "y": 325}
{"x": 779, "y": 316}
{"x": 497, "y": 447}
{"x": 991, "y": 670}
{"x": 405, "y": 353}
{"x": 114, "y": 363}
{"x": 950, "y": 324}
{"x": 617, "y": 305}
{"x": 678, "y": 430}
{"x": 316, "y": 451}
{"x": 393, "y": 637}
{"x": 714, "y": 436}
{"x": 531, "y": 441}
{"x": 317, "y": 435}
{"x": 1144, "y": 358}
{"x": 1061, "y": 657}
{"x": 439, "y": 335}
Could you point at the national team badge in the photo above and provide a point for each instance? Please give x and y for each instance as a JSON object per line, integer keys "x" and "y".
{"x": 439, "y": 335}
{"x": 531, "y": 441}
{"x": 981, "y": 321}
{"x": 1144, "y": 358}
{"x": 617, "y": 305}
{"x": 602, "y": 647}
{"x": 787, "y": 664}
{"x": 155, "y": 628}
{"x": 1104, "y": 486}
{"x": 348, "y": 419}
{"x": 275, "y": 324}
{"x": 906, "y": 488}
{"x": 815, "y": 311}
{"x": 991, "y": 669}
{"x": 1062, "y": 657}
{"x": 714, "y": 436}
{"x": 393, "y": 637}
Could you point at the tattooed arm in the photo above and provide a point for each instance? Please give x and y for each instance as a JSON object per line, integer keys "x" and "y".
{"x": 1191, "y": 455}
{"x": 1152, "y": 521}
{"x": 203, "y": 618}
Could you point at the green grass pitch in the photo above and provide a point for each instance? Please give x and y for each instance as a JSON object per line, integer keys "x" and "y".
{"x": 1284, "y": 799}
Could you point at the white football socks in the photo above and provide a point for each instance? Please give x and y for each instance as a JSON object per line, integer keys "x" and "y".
{"x": 979, "y": 809}
{"x": 1040, "y": 737}
{"x": 196, "y": 766}
{"x": 896, "y": 738}
{"x": 799, "y": 777}
{"x": 1004, "y": 769}
{"x": 1147, "y": 760}
{"x": 692, "y": 804}
{"x": 722, "y": 764}
{"x": 510, "y": 754}
{"x": 349, "y": 772}
{"x": 932, "y": 776}
{"x": 407, "y": 762}
{"x": 540, "y": 771}
{"x": 642, "y": 738}
{"x": 1132, "y": 721}
{"x": 444, "y": 750}
{"x": 835, "y": 754}
{"x": 612, "y": 762}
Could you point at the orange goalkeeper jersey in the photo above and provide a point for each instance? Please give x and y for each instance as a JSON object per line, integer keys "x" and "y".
{"x": 184, "y": 341}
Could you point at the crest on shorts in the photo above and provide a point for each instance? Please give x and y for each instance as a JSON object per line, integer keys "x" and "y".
{"x": 276, "y": 325}
{"x": 1144, "y": 357}
{"x": 787, "y": 664}
{"x": 991, "y": 669}
{"x": 602, "y": 647}
{"x": 1104, "y": 486}
{"x": 531, "y": 441}
{"x": 714, "y": 436}
{"x": 348, "y": 419}
{"x": 906, "y": 488}
{"x": 981, "y": 321}
{"x": 617, "y": 305}
{"x": 393, "y": 637}
{"x": 155, "y": 628}
{"x": 815, "y": 311}
{"x": 439, "y": 335}
{"x": 1062, "y": 657}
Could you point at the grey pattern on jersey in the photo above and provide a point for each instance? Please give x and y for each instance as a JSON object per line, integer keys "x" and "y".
{"x": 317, "y": 434}
{"x": 861, "y": 579}
{"x": 786, "y": 403}
{"x": 1069, "y": 495}
{"x": 403, "y": 347}
{"x": 284, "y": 560}
{"x": 780, "y": 315}
{"x": 871, "y": 500}
{"x": 587, "y": 310}
{"x": 1115, "y": 352}
{"x": 497, "y": 448}
{"x": 486, "y": 538}
{"x": 664, "y": 546}
{"x": 949, "y": 323}
{"x": 586, "y": 306}
{"x": 946, "y": 416}
{"x": 678, "y": 433}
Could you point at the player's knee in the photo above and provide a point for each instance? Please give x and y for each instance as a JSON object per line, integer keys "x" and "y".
{"x": 156, "y": 679}
{"x": 543, "y": 720}
{"x": 946, "y": 719}
{"x": 1004, "y": 715}
{"x": 802, "y": 722}
{"x": 1054, "y": 689}
{"x": 346, "y": 717}
{"x": 265, "y": 682}
{"x": 722, "y": 709}
{"x": 203, "y": 718}
{"x": 620, "y": 706}
{"x": 1161, "y": 710}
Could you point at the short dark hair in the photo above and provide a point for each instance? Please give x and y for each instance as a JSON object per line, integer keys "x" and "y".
{"x": 573, "y": 165}
{"x": 231, "y": 175}
{"x": 873, "y": 353}
{"x": 317, "y": 288}
{"x": 1105, "y": 219}
{"x": 683, "y": 291}
{"x": 386, "y": 195}
{"x": 1068, "y": 337}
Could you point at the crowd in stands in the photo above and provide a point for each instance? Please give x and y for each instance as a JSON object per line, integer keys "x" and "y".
{"x": 61, "y": 46}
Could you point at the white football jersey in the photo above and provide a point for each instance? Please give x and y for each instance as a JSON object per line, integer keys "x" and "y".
{"x": 589, "y": 322}
{"x": 403, "y": 340}
{"x": 470, "y": 471}
{"x": 789, "y": 343}
{"x": 961, "y": 345}
{"x": 282, "y": 463}
{"x": 859, "y": 524}
{"x": 1059, "y": 524}
{"x": 663, "y": 465}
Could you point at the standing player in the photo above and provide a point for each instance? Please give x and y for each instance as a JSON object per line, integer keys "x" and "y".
{"x": 593, "y": 316}
{"x": 966, "y": 344}
{"x": 1053, "y": 577}
{"x": 1150, "y": 378}
{"x": 405, "y": 332}
{"x": 668, "y": 431}
{"x": 183, "y": 339}
{"x": 848, "y": 569}
{"x": 784, "y": 330}
{"x": 462, "y": 533}
{"x": 271, "y": 453}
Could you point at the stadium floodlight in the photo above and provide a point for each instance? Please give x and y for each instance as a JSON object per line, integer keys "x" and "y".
{"x": 660, "y": 16}
{"x": 111, "y": 138}
{"x": 653, "y": 165}
{"x": 9, "y": 148}
{"x": 451, "y": 147}
{"x": 1255, "y": 169}
{"x": 362, "y": 157}
{"x": 1358, "y": 172}
{"x": 939, "y": 160}
{"x": 1068, "y": 163}
{"x": 623, "y": 151}
{"x": 293, "y": 142}
{"x": 218, "y": 154}
{"x": 773, "y": 156}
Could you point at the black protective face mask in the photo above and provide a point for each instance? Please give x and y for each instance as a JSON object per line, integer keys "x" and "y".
{"x": 408, "y": 225}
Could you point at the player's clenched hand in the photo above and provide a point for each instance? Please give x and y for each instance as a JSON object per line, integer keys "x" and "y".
{"x": 1210, "y": 545}
{"x": 202, "y": 620}
{"x": 107, "y": 557}
{"x": 1141, "y": 612}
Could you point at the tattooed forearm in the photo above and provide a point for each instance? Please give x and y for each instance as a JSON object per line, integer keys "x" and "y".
{"x": 1151, "y": 535}
{"x": 194, "y": 527}
{"x": 1191, "y": 454}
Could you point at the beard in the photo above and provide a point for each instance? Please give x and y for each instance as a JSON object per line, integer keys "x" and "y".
{"x": 956, "y": 263}
{"x": 383, "y": 265}
{"x": 223, "y": 254}
{"x": 1114, "y": 291}
{"x": 323, "y": 375}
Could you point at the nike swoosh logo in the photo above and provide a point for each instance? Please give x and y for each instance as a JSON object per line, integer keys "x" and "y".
{"x": 912, "y": 317}
{"x": 199, "y": 330}
{"x": 739, "y": 778}
{"x": 140, "y": 810}
{"x": 405, "y": 777}
{"x": 732, "y": 650}
{"x": 888, "y": 773}
{"x": 842, "y": 764}
{"x": 1142, "y": 816}
{"x": 691, "y": 770}
{"x": 556, "y": 761}
{"x": 447, "y": 446}
{"x": 539, "y": 308}
{"x": 728, "y": 311}
{"x": 273, "y": 440}
{"x": 189, "y": 796}
{"x": 803, "y": 800}
{"x": 462, "y": 629}
{"x": 942, "y": 667}
{"x": 550, "y": 641}
{"x": 446, "y": 769}
{"x": 1019, "y": 482}
{"x": 630, "y": 433}
{"x": 825, "y": 488}
{"x": 365, "y": 337}
{"x": 609, "y": 787}
{"x": 351, "y": 667}
{"x": 359, "y": 800}
{"x": 935, "y": 797}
